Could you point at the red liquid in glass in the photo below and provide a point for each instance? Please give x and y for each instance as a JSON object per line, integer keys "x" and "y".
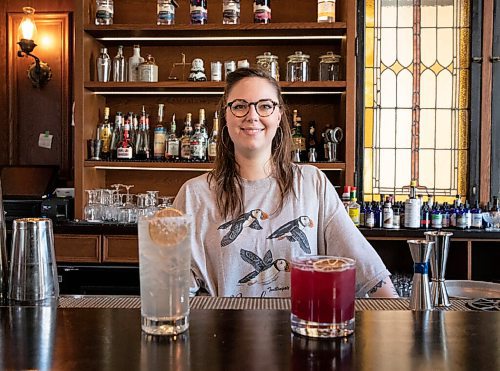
{"x": 326, "y": 297}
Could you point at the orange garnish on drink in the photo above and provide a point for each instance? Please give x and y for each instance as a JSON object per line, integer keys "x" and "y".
{"x": 165, "y": 232}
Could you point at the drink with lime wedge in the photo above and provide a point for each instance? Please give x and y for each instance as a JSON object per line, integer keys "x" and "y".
{"x": 164, "y": 268}
{"x": 323, "y": 290}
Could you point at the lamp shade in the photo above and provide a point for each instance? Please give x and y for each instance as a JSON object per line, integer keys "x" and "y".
{"x": 27, "y": 27}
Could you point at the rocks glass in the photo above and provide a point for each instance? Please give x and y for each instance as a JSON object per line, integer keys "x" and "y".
{"x": 323, "y": 291}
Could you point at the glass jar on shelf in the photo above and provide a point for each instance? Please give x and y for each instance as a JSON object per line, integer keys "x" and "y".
{"x": 329, "y": 67}
{"x": 269, "y": 63}
{"x": 297, "y": 67}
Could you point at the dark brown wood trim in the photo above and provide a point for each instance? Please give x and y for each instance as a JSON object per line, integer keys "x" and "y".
{"x": 485, "y": 148}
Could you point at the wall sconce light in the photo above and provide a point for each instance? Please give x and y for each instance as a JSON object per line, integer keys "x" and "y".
{"x": 39, "y": 72}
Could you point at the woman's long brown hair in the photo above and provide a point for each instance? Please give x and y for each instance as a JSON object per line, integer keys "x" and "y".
{"x": 224, "y": 179}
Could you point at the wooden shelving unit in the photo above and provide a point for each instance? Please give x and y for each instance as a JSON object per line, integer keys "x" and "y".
{"x": 293, "y": 28}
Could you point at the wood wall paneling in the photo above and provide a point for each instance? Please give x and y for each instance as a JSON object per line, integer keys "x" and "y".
{"x": 28, "y": 111}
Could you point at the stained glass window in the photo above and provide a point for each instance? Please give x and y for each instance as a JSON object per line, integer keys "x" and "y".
{"x": 416, "y": 96}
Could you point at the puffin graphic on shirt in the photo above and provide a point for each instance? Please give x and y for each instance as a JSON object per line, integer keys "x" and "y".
{"x": 265, "y": 270}
{"x": 249, "y": 219}
{"x": 293, "y": 231}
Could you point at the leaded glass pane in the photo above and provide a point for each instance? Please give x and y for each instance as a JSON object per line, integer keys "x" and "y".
{"x": 404, "y": 46}
{"x": 429, "y": 15}
{"x": 387, "y": 128}
{"x": 388, "y": 14}
{"x": 428, "y": 99}
{"x": 428, "y": 54}
{"x": 444, "y": 129}
{"x": 428, "y": 89}
{"x": 404, "y": 95}
{"x": 403, "y": 140}
{"x": 388, "y": 46}
{"x": 445, "y": 16}
{"x": 427, "y": 128}
{"x": 403, "y": 158}
{"x": 444, "y": 90}
{"x": 446, "y": 45}
{"x": 405, "y": 14}
{"x": 388, "y": 89}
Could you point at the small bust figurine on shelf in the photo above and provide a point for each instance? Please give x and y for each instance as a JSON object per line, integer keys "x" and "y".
{"x": 197, "y": 71}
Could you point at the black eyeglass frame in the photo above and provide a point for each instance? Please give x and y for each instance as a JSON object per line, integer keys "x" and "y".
{"x": 230, "y": 105}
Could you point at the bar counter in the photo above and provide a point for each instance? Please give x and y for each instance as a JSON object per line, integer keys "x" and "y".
{"x": 74, "y": 338}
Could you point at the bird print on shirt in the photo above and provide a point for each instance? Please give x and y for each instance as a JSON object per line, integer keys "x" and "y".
{"x": 293, "y": 231}
{"x": 265, "y": 271}
{"x": 249, "y": 219}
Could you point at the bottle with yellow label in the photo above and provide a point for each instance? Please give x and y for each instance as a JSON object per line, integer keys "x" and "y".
{"x": 353, "y": 208}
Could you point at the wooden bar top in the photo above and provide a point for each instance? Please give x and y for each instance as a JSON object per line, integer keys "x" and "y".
{"x": 111, "y": 339}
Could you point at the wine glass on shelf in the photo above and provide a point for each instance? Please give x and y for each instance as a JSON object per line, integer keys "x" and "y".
{"x": 92, "y": 209}
{"x": 128, "y": 212}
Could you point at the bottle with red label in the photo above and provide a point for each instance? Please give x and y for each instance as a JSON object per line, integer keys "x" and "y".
{"x": 262, "y": 11}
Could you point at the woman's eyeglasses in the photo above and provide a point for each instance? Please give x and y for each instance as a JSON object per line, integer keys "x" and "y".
{"x": 263, "y": 107}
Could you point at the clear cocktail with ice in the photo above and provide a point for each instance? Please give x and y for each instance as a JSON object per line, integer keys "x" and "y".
{"x": 164, "y": 267}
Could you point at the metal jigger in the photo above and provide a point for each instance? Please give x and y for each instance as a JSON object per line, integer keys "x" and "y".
{"x": 439, "y": 257}
{"x": 420, "y": 294}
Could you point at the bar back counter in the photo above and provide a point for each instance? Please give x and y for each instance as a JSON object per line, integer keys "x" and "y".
{"x": 103, "y": 258}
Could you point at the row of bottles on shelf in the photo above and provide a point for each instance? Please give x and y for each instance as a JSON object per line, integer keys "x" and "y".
{"x": 198, "y": 10}
{"x": 137, "y": 68}
{"x": 415, "y": 213}
{"x": 130, "y": 138}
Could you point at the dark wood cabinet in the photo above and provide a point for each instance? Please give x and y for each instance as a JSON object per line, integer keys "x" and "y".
{"x": 293, "y": 28}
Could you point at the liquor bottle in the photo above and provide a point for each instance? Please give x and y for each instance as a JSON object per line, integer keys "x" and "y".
{"x": 387, "y": 214}
{"x": 142, "y": 143}
{"x": 186, "y": 139}
{"x": 119, "y": 66}
{"x": 496, "y": 204}
{"x": 125, "y": 150}
{"x": 362, "y": 211}
{"x": 487, "y": 209}
{"x": 445, "y": 212}
{"x": 197, "y": 144}
{"x": 165, "y": 12}
{"x": 396, "y": 217}
{"x": 212, "y": 142}
{"x": 160, "y": 135}
{"x": 173, "y": 143}
{"x": 412, "y": 208}
{"x": 116, "y": 134}
{"x": 425, "y": 216}
{"x": 326, "y": 11}
{"x": 453, "y": 212}
{"x": 401, "y": 214}
{"x": 477, "y": 216}
{"x": 353, "y": 209}
{"x": 133, "y": 64}
{"x": 103, "y": 66}
{"x": 467, "y": 215}
{"x": 299, "y": 141}
{"x": 104, "y": 130}
{"x": 460, "y": 218}
{"x": 262, "y": 11}
{"x": 312, "y": 141}
{"x": 204, "y": 131}
{"x": 346, "y": 196}
{"x": 104, "y": 12}
{"x": 369, "y": 216}
{"x": 198, "y": 11}
{"x": 231, "y": 12}
{"x": 436, "y": 217}
{"x": 134, "y": 127}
